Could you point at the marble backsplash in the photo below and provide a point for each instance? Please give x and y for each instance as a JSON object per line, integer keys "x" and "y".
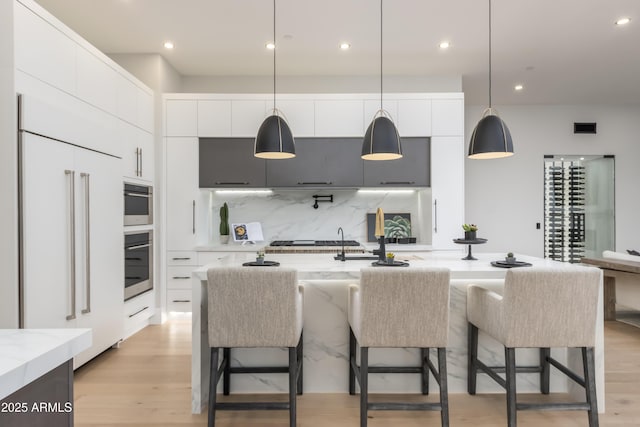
{"x": 289, "y": 214}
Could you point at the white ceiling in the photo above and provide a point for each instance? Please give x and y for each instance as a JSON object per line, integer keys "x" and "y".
{"x": 562, "y": 51}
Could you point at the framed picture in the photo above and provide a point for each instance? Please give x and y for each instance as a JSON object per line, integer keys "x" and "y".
{"x": 395, "y": 225}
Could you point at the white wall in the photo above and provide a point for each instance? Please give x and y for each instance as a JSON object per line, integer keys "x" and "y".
{"x": 319, "y": 84}
{"x": 504, "y": 197}
{"x": 8, "y": 174}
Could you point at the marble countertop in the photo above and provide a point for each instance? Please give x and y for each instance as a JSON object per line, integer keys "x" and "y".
{"x": 324, "y": 267}
{"x": 27, "y": 354}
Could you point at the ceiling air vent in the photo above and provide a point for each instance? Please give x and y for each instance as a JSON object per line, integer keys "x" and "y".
{"x": 584, "y": 128}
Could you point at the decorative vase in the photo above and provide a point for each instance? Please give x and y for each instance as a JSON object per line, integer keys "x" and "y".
{"x": 260, "y": 260}
{"x": 469, "y": 235}
{"x": 390, "y": 260}
{"x": 510, "y": 259}
{"x": 224, "y": 239}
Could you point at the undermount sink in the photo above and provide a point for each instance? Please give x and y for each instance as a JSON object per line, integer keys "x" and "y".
{"x": 355, "y": 258}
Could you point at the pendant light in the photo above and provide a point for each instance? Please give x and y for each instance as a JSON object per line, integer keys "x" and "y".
{"x": 381, "y": 141}
{"x": 491, "y": 138}
{"x": 274, "y": 139}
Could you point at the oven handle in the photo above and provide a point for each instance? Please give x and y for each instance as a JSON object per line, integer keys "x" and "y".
{"x": 130, "y": 248}
{"x": 146, "y": 196}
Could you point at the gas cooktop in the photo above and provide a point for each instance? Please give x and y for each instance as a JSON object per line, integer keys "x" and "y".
{"x": 314, "y": 243}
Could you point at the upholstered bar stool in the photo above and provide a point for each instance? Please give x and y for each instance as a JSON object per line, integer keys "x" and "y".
{"x": 540, "y": 308}
{"x": 400, "y": 308}
{"x": 254, "y": 307}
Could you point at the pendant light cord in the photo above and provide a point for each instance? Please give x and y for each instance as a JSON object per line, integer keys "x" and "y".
{"x": 489, "y": 54}
{"x": 274, "y": 56}
{"x": 381, "y": 55}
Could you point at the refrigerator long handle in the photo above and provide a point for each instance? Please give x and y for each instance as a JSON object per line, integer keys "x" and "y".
{"x": 72, "y": 215}
{"x": 87, "y": 215}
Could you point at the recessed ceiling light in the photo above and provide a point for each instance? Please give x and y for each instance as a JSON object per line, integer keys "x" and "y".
{"x": 168, "y": 45}
{"x": 623, "y": 21}
{"x": 518, "y": 87}
{"x": 345, "y": 46}
{"x": 270, "y": 45}
{"x": 444, "y": 45}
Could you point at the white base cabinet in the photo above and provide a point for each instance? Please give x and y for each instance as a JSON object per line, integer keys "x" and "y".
{"x": 72, "y": 241}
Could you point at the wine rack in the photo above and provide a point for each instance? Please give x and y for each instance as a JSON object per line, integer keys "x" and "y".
{"x": 564, "y": 210}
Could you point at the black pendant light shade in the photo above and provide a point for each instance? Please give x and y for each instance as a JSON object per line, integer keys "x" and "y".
{"x": 491, "y": 138}
{"x": 274, "y": 139}
{"x": 381, "y": 141}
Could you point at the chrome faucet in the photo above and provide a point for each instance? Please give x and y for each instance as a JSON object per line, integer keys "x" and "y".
{"x": 341, "y": 256}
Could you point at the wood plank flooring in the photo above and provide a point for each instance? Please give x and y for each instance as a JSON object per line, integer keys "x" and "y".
{"x": 146, "y": 382}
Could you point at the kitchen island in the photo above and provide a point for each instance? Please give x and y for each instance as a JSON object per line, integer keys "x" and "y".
{"x": 36, "y": 375}
{"x": 326, "y": 331}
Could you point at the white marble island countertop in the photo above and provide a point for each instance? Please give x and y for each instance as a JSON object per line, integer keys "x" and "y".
{"x": 27, "y": 354}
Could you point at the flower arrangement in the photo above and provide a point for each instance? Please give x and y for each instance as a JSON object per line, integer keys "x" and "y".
{"x": 469, "y": 231}
{"x": 510, "y": 258}
{"x": 390, "y": 257}
{"x": 260, "y": 256}
{"x": 469, "y": 227}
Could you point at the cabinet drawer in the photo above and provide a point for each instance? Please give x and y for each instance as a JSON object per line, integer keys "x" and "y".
{"x": 178, "y": 300}
{"x": 205, "y": 258}
{"x": 137, "y": 312}
{"x": 179, "y": 277}
{"x": 181, "y": 258}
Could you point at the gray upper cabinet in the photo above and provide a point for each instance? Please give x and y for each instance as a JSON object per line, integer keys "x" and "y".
{"x": 319, "y": 162}
{"x": 412, "y": 170}
{"x": 229, "y": 162}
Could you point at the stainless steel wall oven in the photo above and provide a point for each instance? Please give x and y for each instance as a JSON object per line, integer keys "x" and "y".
{"x": 138, "y": 263}
{"x": 138, "y": 204}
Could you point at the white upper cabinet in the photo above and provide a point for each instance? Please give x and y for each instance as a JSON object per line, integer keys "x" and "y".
{"x": 146, "y": 117}
{"x": 247, "y": 116}
{"x": 414, "y": 117}
{"x": 340, "y": 118}
{"x": 214, "y": 118}
{"x": 97, "y": 82}
{"x": 43, "y": 51}
{"x": 299, "y": 115}
{"x": 447, "y": 117}
{"x": 127, "y": 99}
{"x": 181, "y": 117}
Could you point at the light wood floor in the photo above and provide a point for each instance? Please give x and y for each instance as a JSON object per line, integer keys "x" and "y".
{"x": 146, "y": 382}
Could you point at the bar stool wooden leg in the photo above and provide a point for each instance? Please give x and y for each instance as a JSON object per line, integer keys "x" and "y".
{"x": 444, "y": 388}
{"x": 588, "y": 362}
{"x": 364, "y": 385}
{"x": 510, "y": 377}
{"x": 213, "y": 381}
{"x": 545, "y": 373}
{"x": 352, "y": 355}
{"x": 472, "y": 349}
{"x": 226, "y": 380}
{"x": 424, "y": 356}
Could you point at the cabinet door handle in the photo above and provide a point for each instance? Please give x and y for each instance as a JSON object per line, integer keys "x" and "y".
{"x": 87, "y": 213}
{"x": 181, "y": 277}
{"x": 315, "y": 183}
{"x": 193, "y": 218}
{"x": 145, "y": 196}
{"x": 397, "y": 182}
{"x": 72, "y": 246}
{"x": 138, "y": 312}
{"x": 131, "y": 248}
{"x": 137, "y": 161}
{"x": 181, "y": 300}
{"x": 181, "y": 259}
{"x": 140, "y": 161}
{"x": 435, "y": 215}
{"x": 231, "y": 183}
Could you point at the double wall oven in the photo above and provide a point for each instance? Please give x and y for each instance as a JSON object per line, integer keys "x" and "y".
{"x": 138, "y": 244}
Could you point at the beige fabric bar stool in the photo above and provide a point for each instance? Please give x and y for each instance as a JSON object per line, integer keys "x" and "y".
{"x": 254, "y": 307}
{"x": 541, "y": 308}
{"x": 400, "y": 307}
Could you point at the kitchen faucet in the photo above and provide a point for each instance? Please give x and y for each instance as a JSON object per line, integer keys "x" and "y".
{"x": 341, "y": 256}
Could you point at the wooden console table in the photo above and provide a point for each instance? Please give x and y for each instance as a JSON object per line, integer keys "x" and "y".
{"x": 613, "y": 269}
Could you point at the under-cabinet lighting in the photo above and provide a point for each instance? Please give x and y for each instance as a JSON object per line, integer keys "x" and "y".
{"x": 244, "y": 191}
{"x": 387, "y": 190}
